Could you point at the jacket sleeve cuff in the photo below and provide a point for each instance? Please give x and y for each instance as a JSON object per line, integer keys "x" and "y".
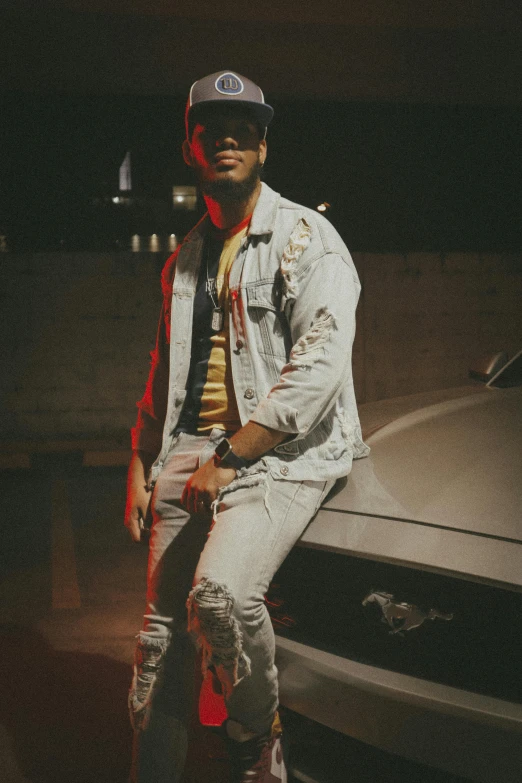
{"x": 146, "y": 440}
{"x": 276, "y": 415}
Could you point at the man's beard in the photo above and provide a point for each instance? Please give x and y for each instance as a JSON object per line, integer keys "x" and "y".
{"x": 231, "y": 192}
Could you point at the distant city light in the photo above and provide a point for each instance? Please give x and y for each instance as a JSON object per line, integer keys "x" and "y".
{"x": 184, "y": 197}
{"x": 115, "y": 199}
{"x": 154, "y": 243}
{"x": 324, "y": 206}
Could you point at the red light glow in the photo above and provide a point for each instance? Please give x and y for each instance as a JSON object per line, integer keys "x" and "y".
{"x": 212, "y": 710}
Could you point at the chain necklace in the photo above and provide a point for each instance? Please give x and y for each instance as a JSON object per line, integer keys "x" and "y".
{"x": 218, "y": 313}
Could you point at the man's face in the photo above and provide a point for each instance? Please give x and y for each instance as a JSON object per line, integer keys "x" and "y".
{"x": 226, "y": 152}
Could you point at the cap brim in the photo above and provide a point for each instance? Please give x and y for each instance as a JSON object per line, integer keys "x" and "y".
{"x": 262, "y": 111}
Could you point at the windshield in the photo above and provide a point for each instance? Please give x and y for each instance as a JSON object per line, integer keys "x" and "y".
{"x": 510, "y": 374}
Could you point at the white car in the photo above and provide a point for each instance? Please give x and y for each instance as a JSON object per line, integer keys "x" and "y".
{"x": 399, "y": 615}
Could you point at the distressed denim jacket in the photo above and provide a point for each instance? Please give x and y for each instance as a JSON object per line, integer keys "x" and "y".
{"x": 293, "y": 293}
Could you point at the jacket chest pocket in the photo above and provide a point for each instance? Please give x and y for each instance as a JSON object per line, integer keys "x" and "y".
{"x": 268, "y": 323}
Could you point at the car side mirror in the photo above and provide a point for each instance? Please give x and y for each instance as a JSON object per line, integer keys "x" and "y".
{"x": 488, "y": 366}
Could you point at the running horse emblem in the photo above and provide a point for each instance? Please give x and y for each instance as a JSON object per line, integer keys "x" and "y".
{"x": 402, "y": 616}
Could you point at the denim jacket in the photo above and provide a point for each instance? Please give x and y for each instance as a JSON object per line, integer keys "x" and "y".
{"x": 293, "y": 294}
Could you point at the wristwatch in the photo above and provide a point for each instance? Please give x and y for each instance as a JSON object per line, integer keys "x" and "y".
{"x": 227, "y": 458}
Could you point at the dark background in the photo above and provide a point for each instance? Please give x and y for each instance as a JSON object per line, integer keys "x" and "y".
{"x": 406, "y": 117}
{"x": 399, "y": 176}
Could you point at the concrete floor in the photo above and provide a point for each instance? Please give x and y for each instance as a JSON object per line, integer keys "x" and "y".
{"x": 70, "y": 606}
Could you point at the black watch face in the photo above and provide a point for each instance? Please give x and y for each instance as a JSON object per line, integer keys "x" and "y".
{"x": 222, "y": 448}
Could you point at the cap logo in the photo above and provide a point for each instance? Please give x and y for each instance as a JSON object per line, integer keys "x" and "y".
{"x": 229, "y": 84}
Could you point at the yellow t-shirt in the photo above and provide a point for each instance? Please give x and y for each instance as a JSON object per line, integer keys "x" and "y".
{"x": 218, "y": 400}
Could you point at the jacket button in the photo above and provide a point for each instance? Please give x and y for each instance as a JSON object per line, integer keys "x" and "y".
{"x": 284, "y": 470}
{"x": 249, "y": 394}
{"x": 239, "y": 344}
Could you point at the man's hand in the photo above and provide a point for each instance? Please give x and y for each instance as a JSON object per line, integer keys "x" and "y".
{"x": 250, "y": 442}
{"x": 137, "y": 508}
{"x": 202, "y": 487}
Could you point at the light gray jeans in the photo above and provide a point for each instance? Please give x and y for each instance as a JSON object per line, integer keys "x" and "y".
{"x": 207, "y": 578}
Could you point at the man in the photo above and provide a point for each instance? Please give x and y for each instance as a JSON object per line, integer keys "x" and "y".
{"x": 248, "y": 418}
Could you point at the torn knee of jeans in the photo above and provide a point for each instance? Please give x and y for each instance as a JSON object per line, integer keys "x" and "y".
{"x": 217, "y": 632}
{"x": 309, "y": 346}
{"x": 148, "y": 661}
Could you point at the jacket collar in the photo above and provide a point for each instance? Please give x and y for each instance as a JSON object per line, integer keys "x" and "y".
{"x": 265, "y": 211}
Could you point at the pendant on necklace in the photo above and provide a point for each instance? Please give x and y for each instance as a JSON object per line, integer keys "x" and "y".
{"x": 217, "y": 319}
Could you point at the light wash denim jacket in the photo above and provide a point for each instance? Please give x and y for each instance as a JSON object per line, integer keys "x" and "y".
{"x": 293, "y": 294}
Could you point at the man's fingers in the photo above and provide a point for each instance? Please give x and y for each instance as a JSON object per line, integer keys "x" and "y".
{"x": 190, "y": 498}
{"x": 132, "y": 523}
{"x": 133, "y": 526}
{"x": 197, "y": 496}
{"x": 197, "y": 502}
{"x": 203, "y": 503}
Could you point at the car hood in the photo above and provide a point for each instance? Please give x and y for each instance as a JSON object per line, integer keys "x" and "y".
{"x": 455, "y": 464}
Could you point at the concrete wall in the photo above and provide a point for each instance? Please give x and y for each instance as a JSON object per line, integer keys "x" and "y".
{"x": 77, "y": 329}
{"x": 424, "y": 317}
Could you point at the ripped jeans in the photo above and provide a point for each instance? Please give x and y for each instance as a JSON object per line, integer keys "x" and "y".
{"x": 207, "y": 579}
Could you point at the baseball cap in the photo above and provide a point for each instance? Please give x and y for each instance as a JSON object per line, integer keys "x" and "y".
{"x": 227, "y": 87}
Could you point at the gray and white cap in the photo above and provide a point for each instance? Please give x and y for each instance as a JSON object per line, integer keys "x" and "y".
{"x": 230, "y": 88}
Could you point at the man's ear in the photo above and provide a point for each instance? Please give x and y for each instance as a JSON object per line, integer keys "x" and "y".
{"x": 262, "y": 151}
{"x": 187, "y": 152}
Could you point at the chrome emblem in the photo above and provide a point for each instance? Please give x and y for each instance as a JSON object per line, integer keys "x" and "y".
{"x": 402, "y": 616}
